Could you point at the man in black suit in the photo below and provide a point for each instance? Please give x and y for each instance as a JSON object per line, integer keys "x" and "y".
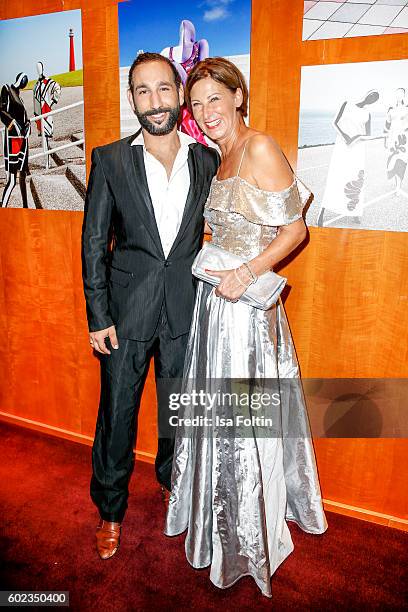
{"x": 142, "y": 228}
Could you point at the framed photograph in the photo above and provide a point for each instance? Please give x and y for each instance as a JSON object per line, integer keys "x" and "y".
{"x": 186, "y": 33}
{"x": 325, "y": 19}
{"x": 353, "y": 152}
{"x": 42, "y": 158}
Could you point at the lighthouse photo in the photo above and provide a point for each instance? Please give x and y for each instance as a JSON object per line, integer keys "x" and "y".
{"x": 42, "y": 164}
{"x": 71, "y": 50}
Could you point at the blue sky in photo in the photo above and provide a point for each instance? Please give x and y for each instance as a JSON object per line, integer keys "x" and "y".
{"x": 24, "y": 42}
{"x": 150, "y": 25}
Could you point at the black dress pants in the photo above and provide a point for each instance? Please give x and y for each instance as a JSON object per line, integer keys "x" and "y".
{"x": 123, "y": 374}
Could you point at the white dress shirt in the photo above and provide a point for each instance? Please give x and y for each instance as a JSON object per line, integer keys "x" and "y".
{"x": 168, "y": 195}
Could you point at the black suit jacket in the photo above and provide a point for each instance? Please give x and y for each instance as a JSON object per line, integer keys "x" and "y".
{"x": 125, "y": 273}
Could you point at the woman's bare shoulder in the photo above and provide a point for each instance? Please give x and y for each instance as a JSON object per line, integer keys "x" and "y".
{"x": 261, "y": 145}
{"x": 267, "y": 163}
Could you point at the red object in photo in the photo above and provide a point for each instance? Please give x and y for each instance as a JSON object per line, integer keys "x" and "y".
{"x": 46, "y": 108}
{"x": 16, "y": 145}
{"x": 71, "y": 51}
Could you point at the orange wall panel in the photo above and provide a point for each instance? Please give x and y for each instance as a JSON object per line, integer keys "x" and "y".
{"x": 347, "y": 307}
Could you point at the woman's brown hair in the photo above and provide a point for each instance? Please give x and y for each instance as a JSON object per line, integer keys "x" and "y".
{"x": 223, "y": 71}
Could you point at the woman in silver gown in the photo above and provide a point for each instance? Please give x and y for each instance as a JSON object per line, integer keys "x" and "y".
{"x": 233, "y": 493}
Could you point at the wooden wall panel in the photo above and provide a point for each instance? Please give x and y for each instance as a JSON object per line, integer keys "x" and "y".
{"x": 101, "y": 76}
{"x": 347, "y": 307}
{"x": 347, "y": 304}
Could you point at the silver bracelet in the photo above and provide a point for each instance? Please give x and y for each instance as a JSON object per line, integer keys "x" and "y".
{"x": 249, "y": 276}
{"x": 239, "y": 280}
{"x": 253, "y": 275}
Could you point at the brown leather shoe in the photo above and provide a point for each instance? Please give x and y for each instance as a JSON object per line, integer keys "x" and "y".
{"x": 107, "y": 538}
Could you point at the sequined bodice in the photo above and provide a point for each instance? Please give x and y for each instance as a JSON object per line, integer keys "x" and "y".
{"x": 245, "y": 219}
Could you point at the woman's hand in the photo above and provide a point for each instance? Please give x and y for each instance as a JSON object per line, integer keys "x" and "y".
{"x": 230, "y": 288}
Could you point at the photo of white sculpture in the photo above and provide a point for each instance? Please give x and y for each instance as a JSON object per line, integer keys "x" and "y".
{"x": 42, "y": 155}
{"x": 353, "y": 132}
{"x": 189, "y": 32}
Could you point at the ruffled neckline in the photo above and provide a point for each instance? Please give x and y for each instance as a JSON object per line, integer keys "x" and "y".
{"x": 256, "y": 205}
{"x": 231, "y": 178}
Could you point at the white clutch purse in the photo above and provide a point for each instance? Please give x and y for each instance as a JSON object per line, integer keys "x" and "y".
{"x": 261, "y": 294}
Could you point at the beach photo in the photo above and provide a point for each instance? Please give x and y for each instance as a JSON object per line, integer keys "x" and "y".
{"x": 352, "y": 146}
{"x": 42, "y": 157}
{"x": 186, "y": 32}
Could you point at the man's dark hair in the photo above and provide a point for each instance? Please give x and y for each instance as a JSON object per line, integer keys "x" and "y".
{"x": 143, "y": 58}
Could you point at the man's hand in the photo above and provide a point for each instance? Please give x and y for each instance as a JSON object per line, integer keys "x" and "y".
{"x": 97, "y": 339}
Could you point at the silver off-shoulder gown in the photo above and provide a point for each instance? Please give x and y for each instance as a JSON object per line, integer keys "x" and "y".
{"x": 232, "y": 495}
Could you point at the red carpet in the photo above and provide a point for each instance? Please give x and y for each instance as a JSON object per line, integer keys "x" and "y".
{"x": 48, "y": 544}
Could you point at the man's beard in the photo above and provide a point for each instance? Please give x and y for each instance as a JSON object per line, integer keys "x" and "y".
{"x": 159, "y": 130}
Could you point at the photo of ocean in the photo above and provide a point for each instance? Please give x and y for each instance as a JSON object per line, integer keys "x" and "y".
{"x": 316, "y": 127}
